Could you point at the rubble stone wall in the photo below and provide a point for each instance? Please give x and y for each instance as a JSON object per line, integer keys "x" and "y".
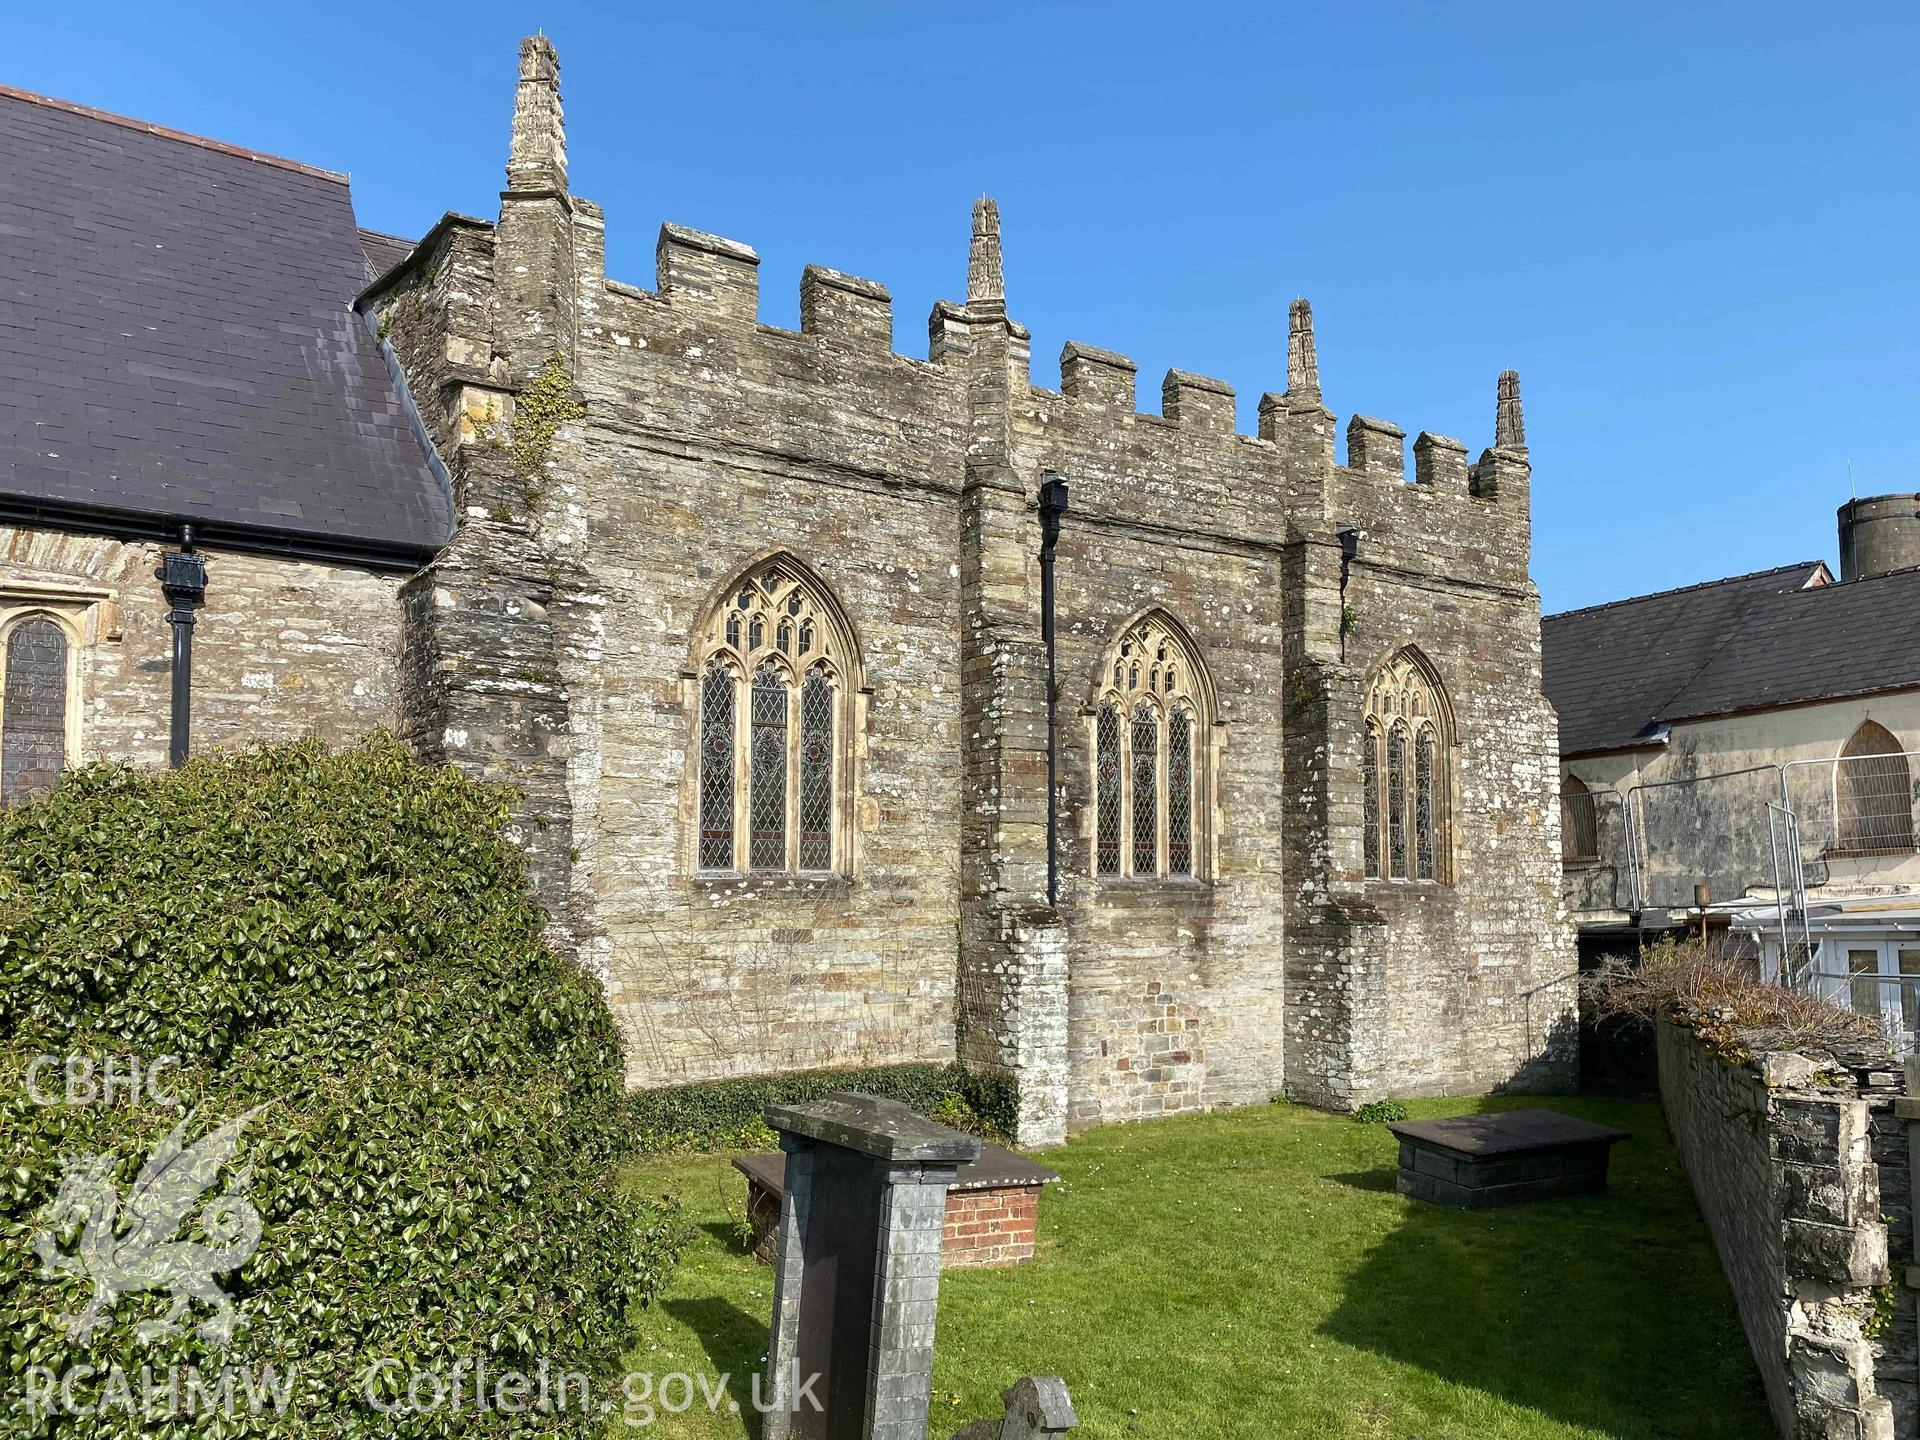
{"x": 1781, "y": 1152}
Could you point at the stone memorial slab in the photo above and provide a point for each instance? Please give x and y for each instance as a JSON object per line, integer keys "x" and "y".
{"x": 857, "y": 1278}
{"x": 1478, "y": 1162}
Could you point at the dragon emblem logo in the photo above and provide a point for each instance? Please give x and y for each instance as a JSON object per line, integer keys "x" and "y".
{"x": 129, "y": 1246}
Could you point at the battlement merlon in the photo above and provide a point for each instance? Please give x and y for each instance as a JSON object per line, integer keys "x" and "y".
{"x": 1503, "y": 472}
{"x": 1377, "y": 448}
{"x": 1197, "y": 401}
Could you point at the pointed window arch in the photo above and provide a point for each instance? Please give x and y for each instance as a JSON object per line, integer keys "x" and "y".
{"x": 1152, "y": 725}
{"x": 1406, "y": 770}
{"x": 35, "y": 707}
{"x": 1579, "y": 826}
{"x": 1873, "y": 792}
{"x": 777, "y": 678}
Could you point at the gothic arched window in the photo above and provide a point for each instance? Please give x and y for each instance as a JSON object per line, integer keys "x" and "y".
{"x": 1406, "y": 764}
{"x": 776, "y": 674}
{"x": 1873, "y": 792}
{"x": 1579, "y": 826}
{"x": 33, "y": 708}
{"x": 1152, "y": 768}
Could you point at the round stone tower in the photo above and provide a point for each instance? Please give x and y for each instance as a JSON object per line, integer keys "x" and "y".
{"x": 1878, "y": 534}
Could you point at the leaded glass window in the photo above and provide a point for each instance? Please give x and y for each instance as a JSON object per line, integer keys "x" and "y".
{"x": 774, "y": 766}
{"x": 1404, "y": 793}
{"x": 1370, "y": 799}
{"x": 33, "y": 743}
{"x": 816, "y": 773}
{"x": 1146, "y": 791}
{"x": 767, "y": 770}
{"x": 1423, "y": 806}
{"x": 1180, "y": 793}
{"x": 1397, "y": 803}
{"x": 1107, "y": 787}
{"x": 716, "y": 767}
{"x": 1150, "y": 731}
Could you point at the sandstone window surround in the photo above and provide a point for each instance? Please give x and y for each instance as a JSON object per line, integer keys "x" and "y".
{"x": 43, "y": 636}
{"x": 39, "y": 697}
{"x": 1406, "y": 772}
{"x": 776, "y": 692}
{"x": 1151, "y": 731}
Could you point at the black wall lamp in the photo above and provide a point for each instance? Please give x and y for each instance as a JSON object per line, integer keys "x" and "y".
{"x": 183, "y": 580}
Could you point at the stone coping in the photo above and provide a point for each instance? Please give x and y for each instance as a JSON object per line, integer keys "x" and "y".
{"x": 997, "y": 1169}
{"x": 1509, "y": 1132}
{"x": 884, "y": 1129}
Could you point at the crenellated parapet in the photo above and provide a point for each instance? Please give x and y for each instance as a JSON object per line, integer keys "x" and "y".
{"x": 628, "y": 450}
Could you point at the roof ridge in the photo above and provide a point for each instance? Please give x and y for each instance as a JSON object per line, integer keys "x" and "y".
{"x": 385, "y": 235}
{"x": 1683, "y": 589}
{"x": 164, "y": 132}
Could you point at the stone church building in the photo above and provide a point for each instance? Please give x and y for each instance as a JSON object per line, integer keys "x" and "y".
{"x": 752, "y": 618}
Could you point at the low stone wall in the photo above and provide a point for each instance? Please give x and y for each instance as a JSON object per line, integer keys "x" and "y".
{"x": 1784, "y": 1153}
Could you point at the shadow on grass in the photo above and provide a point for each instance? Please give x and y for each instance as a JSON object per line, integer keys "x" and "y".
{"x": 1375, "y": 1181}
{"x": 727, "y": 1232}
{"x": 735, "y": 1342}
{"x": 1604, "y": 1311}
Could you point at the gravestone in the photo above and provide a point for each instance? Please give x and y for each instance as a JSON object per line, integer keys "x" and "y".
{"x": 857, "y": 1281}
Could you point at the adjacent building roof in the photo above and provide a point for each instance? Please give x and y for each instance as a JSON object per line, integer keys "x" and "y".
{"x": 383, "y": 251}
{"x": 178, "y": 343}
{"x": 1617, "y": 672}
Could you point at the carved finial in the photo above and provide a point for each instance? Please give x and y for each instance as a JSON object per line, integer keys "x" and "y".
{"x": 1303, "y": 362}
{"x": 537, "y": 159}
{"x": 984, "y": 279}
{"x": 1509, "y": 425}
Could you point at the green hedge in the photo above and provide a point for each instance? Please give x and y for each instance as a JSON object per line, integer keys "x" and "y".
{"x": 726, "y": 1114}
{"x": 345, "y": 941}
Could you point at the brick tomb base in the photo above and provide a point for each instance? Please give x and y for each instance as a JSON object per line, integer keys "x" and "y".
{"x": 1477, "y": 1162}
{"x": 993, "y": 1207}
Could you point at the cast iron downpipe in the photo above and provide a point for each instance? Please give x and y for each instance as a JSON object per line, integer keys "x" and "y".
{"x": 183, "y": 580}
{"x": 1349, "y": 547}
{"x": 1053, "y": 504}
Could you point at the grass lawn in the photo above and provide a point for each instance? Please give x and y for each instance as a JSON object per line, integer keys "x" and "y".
{"x": 1254, "y": 1274}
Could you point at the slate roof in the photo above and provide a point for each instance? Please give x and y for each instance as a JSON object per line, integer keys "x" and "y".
{"x": 177, "y": 342}
{"x": 383, "y": 251}
{"x": 1750, "y": 642}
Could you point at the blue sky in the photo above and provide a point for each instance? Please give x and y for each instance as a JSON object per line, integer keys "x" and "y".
{"x": 1693, "y": 231}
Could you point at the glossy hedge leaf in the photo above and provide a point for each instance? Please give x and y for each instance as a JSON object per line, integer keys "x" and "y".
{"x": 346, "y": 939}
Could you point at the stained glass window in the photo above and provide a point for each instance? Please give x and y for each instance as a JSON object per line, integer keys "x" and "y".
{"x": 1180, "y": 794}
{"x": 1423, "y": 806}
{"x": 775, "y": 773}
{"x": 767, "y": 771}
{"x": 33, "y": 748}
{"x": 1107, "y": 791}
{"x": 716, "y": 768}
{"x": 1397, "y": 803}
{"x": 1404, "y": 797}
{"x": 1370, "y": 799}
{"x": 1150, "y": 806}
{"x": 816, "y": 773}
{"x": 1146, "y": 791}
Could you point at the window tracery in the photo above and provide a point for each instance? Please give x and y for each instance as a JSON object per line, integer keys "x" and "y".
{"x": 1151, "y": 719}
{"x": 1405, "y": 765}
{"x": 777, "y": 677}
